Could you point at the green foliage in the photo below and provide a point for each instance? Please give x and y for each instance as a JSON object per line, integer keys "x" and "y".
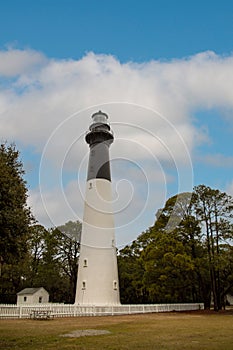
{"x": 53, "y": 260}
{"x": 131, "y": 272}
{"x": 15, "y": 219}
{"x": 68, "y": 238}
{"x": 30, "y": 255}
{"x": 179, "y": 259}
{"x": 214, "y": 210}
{"x": 14, "y": 214}
{"x": 186, "y": 256}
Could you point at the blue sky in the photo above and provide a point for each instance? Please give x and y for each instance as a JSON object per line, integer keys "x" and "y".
{"x": 162, "y": 70}
{"x": 131, "y": 30}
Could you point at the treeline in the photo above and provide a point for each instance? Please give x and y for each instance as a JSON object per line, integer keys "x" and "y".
{"x": 50, "y": 260}
{"x": 31, "y": 255}
{"x": 186, "y": 256}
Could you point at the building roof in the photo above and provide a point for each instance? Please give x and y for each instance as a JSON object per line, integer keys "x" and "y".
{"x": 29, "y": 291}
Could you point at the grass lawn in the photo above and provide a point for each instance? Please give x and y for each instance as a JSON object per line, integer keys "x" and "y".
{"x": 194, "y": 330}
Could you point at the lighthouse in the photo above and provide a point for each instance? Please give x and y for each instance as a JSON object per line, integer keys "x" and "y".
{"x": 97, "y": 282}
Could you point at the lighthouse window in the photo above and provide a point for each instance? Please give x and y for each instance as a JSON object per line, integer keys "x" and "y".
{"x": 85, "y": 263}
{"x": 115, "y": 285}
{"x": 90, "y": 185}
{"x": 84, "y": 285}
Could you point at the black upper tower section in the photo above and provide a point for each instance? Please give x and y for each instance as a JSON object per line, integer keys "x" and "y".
{"x": 99, "y": 138}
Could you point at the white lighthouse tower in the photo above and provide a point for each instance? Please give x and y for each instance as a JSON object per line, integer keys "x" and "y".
{"x": 97, "y": 282}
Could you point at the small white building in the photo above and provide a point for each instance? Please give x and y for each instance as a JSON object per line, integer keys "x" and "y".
{"x": 33, "y": 296}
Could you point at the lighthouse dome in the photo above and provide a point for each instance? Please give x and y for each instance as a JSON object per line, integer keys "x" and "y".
{"x": 100, "y": 117}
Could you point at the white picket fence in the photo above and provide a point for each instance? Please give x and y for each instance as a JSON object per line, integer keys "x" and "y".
{"x": 65, "y": 310}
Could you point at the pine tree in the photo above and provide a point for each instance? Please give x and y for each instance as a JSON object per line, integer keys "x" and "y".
{"x": 15, "y": 218}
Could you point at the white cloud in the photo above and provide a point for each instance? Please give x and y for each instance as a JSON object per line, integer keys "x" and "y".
{"x": 17, "y": 62}
{"x": 217, "y": 160}
{"x": 58, "y": 88}
{"x": 229, "y": 188}
{"x": 47, "y": 104}
{"x": 55, "y": 206}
